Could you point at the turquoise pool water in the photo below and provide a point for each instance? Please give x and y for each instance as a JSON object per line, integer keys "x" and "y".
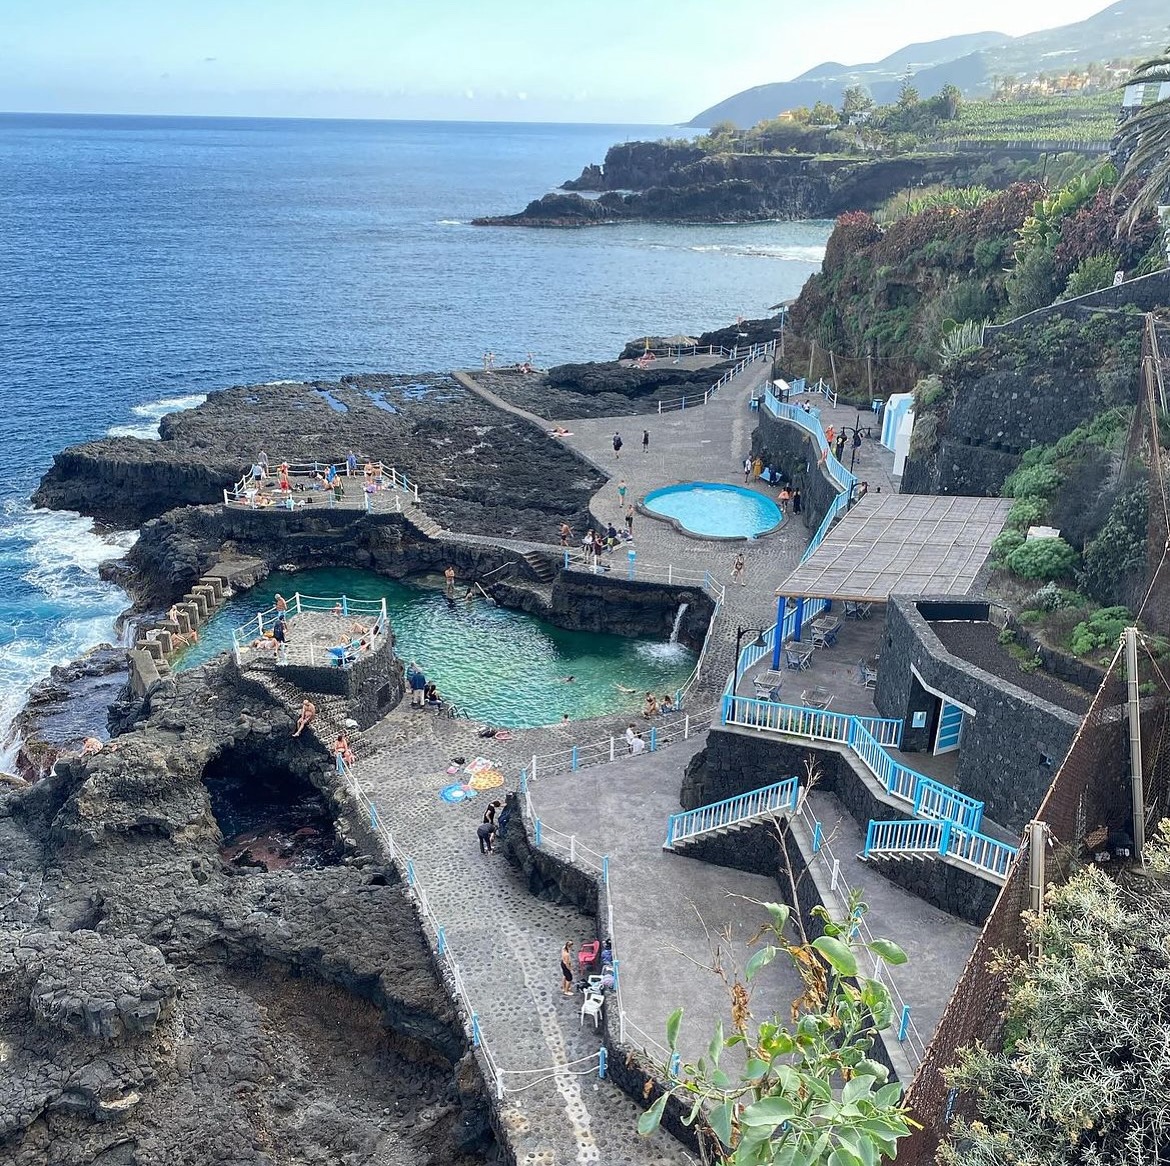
{"x": 716, "y": 511}
{"x": 503, "y": 666}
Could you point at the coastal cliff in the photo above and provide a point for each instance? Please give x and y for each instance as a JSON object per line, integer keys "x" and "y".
{"x": 472, "y": 461}
{"x": 159, "y": 995}
{"x": 679, "y": 182}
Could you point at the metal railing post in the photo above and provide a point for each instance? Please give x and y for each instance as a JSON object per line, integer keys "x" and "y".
{"x": 536, "y": 833}
{"x": 904, "y": 1022}
{"x": 601, "y": 1059}
{"x": 817, "y": 839}
{"x": 573, "y": 762}
{"x": 612, "y": 744}
{"x": 441, "y": 942}
{"x": 605, "y": 869}
{"x": 653, "y": 738}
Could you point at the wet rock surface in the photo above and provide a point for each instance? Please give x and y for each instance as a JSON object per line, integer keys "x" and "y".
{"x": 602, "y": 388}
{"x": 159, "y": 1005}
{"x": 476, "y": 466}
{"x": 66, "y": 707}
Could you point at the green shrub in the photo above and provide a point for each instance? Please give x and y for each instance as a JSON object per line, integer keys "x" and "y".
{"x": 1041, "y": 558}
{"x": 1030, "y": 616}
{"x": 1050, "y": 597}
{"x": 1006, "y": 636}
{"x": 1092, "y": 273}
{"x": 1116, "y": 557}
{"x": 1026, "y": 512}
{"x": 926, "y": 392}
{"x": 1032, "y": 481}
{"x": 1005, "y": 544}
{"x": 1101, "y": 630}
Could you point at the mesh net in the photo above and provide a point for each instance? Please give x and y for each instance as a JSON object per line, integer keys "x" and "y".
{"x": 1087, "y": 812}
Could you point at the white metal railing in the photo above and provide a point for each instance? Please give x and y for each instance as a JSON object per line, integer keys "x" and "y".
{"x": 339, "y": 605}
{"x": 248, "y": 492}
{"x": 940, "y": 838}
{"x": 614, "y": 747}
{"x": 503, "y": 1081}
{"x": 546, "y": 838}
{"x": 822, "y": 854}
{"x": 755, "y": 352}
{"x": 769, "y": 799}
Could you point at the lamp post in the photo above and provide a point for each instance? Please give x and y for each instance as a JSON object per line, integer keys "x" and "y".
{"x": 739, "y": 635}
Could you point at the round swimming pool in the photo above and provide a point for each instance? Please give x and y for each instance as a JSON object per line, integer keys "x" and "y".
{"x": 711, "y": 510}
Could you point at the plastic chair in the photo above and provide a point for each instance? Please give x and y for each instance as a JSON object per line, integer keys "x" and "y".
{"x": 587, "y": 956}
{"x": 592, "y": 1007}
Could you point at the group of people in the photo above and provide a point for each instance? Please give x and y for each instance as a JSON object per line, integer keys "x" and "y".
{"x": 789, "y": 495}
{"x": 487, "y": 830}
{"x": 424, "y": 693}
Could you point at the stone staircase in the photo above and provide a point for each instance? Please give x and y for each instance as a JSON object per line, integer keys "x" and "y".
{"x": 422, "y": 521}
{"x": 541, "y": 567}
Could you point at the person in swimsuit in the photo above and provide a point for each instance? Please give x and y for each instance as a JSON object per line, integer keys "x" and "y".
{"x": 567, "y": 969}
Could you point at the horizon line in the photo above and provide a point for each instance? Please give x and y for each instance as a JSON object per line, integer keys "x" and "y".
{"x": 309, "y": 117}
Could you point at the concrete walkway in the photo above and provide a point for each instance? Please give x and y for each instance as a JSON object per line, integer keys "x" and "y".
{"x": 507, "y": 942}
{"x": 669, "y": 911}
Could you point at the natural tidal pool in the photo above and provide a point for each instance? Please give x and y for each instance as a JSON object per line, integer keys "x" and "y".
{"x": 714, "y": 510}
{"x": 501, "y": 666}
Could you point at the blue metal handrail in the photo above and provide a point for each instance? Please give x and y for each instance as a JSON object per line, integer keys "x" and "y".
{"x": 782, "y": 795}
{"x": 943, "y": 837}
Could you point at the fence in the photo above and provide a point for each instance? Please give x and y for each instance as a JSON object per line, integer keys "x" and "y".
{"x": 248, "y": 491}
{"x": 341, "y": 605}
{"x": 730, "y": 811}
{"x": 908, "y": 1035}
{"x": 1090, "y": 796}
{"x": 752, "y": 654}
{"x": 943, "y": 838}
{"x": 613, "y": 747}
{"x": 755, "y": 352}
{"x": 546, "y": 838}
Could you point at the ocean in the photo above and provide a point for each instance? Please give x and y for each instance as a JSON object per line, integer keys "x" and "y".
{"x": 148, "y": 261}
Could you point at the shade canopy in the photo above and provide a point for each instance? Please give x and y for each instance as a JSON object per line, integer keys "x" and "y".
{"x": 901, "y": 544}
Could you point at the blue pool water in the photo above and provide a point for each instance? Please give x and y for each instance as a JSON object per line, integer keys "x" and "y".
{"x": 501, "y": 666}
{"x": 716, "y": 511}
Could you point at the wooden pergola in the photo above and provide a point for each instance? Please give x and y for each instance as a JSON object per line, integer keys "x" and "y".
{"x": 911, "y": 544}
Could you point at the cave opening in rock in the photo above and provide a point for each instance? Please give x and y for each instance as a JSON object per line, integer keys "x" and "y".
{"x": 270, "y": 813}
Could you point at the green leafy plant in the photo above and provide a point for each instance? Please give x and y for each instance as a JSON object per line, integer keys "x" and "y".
{"x": 961, "y": 341}
{"x": 1101, "y": 630}
{"x": 1041, "y": 558}
{"x": 1032, "y": 481}
{"x": 1091, "y": 274}
{"x": 1028, "y": 511}
{"x": 1004, "y": 544}
{"x": 1082, "y": 1078}
{"x": 808, "y": 1094}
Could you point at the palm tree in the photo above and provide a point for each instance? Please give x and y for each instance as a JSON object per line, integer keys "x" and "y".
{"x": 1146, "y": 135}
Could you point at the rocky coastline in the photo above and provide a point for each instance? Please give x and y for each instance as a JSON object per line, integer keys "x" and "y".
{"x": 272, "y": 971}
{"x": 163, "y": 1005}
{"x": 677, "y": 182}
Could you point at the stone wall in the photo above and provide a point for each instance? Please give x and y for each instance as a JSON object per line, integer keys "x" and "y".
{"x": 737, "y": 761}
{"x": 1147, "y": 293}
{"x": 547, "y": 876}
{"x": 789, "y": 449}
{"x": 1013, "y": 745}
{"x": 629, "y": 607}
{"x": 372, "y": 685}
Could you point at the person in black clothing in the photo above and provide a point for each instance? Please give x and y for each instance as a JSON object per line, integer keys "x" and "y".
{"x": 489, "y": 815}
{"x": 796, "y": 502}
{"x": 279, "y": 631}
{"x": 617, "y": 445}
{"x": 645, "y": 440}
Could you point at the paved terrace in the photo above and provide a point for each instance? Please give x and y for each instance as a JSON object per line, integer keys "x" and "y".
{"x": 506, "y": 942}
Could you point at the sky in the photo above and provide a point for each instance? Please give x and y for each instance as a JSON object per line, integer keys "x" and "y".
{"x": 636, "y": 62}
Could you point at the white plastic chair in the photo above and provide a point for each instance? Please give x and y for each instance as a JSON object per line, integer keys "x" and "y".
{"x": 592, "y": 1007}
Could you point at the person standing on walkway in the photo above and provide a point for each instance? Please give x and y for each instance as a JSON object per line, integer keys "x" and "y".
{"x": 630, "y": 518}
{"x": 737, "y": 567}
{"x": 567, "y": 969}
{"x": 621, "y": 489}
{"x": 418, "y": 685}
{"x": 617, "y": 445}
{"x": 565, "y": 533}
{"x": 796, "y": 503}
{"x": 449, "y": 582}
{"x": 484, "y": 832}
{"x": 840, "y": 445}
{"x": 747, "y": 469}
{"x": 645, "y": 440}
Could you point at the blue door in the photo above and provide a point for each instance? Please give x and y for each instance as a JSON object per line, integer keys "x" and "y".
{"x": 950, "y": 728}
